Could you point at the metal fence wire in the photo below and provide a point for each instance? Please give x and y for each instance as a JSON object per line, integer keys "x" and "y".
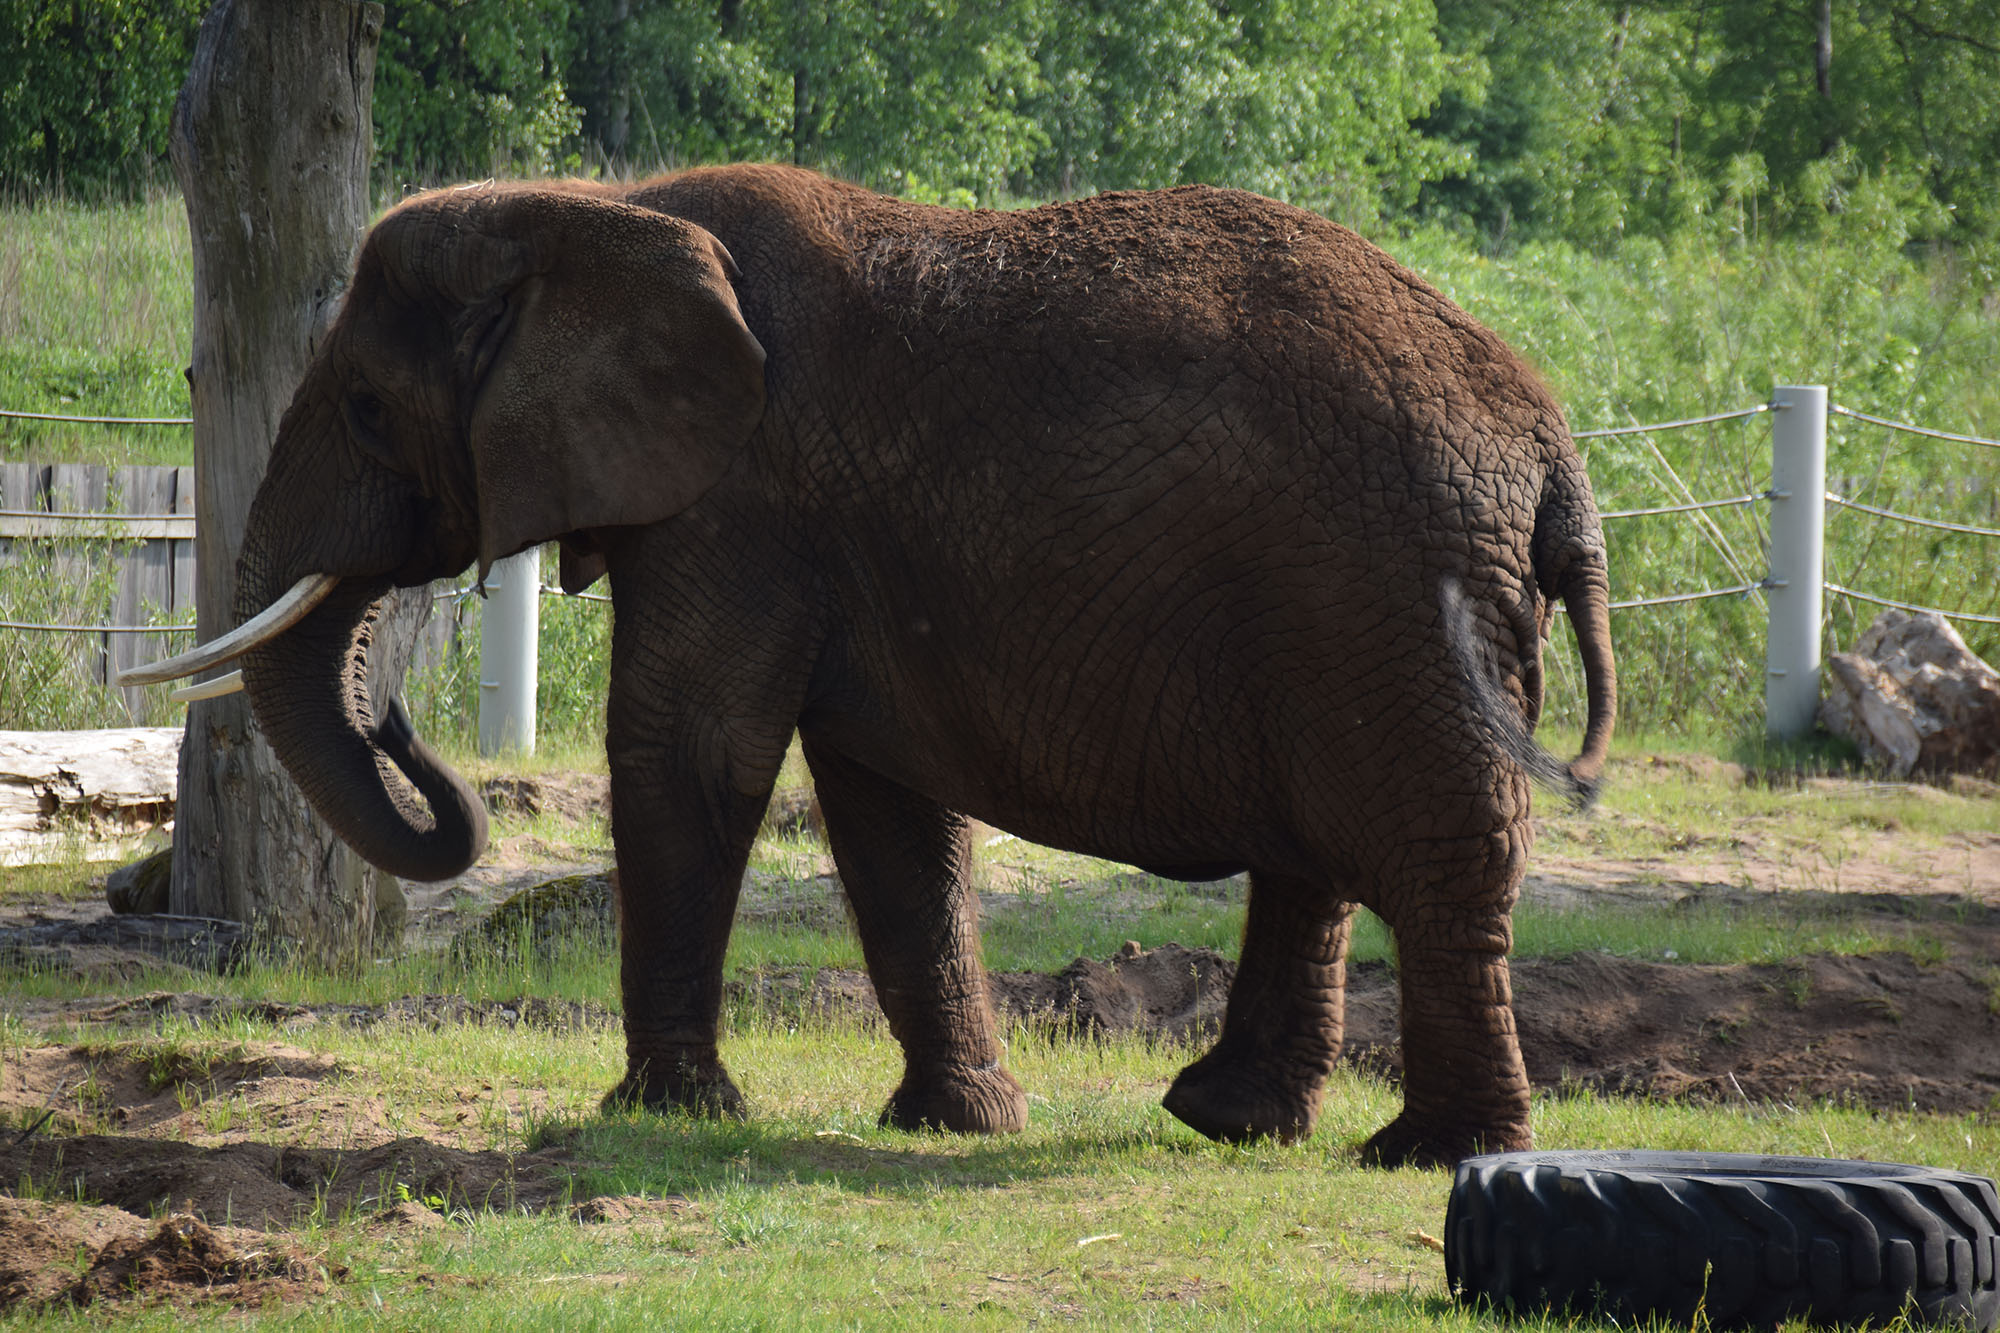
{"x": 1832, "y": 498}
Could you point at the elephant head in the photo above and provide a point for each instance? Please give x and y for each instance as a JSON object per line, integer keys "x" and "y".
{"x": 510, "y": 366}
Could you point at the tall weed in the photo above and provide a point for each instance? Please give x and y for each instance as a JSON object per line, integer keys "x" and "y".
{"x": 50, "y": 679}
{"x": 94, "y": 321}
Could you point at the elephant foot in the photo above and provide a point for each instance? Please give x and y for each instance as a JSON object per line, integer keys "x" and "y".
{"x": 986, "y": 1100}
{"x": 682, "y": 1086}
{"x": 1404, "y": 1142}
{"x": 1234, "y": 1101}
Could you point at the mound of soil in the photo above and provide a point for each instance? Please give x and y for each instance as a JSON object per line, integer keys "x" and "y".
{"x": 267, "y": 1185}
{"x": 131, "y": 1259}
{"x": 1881, "y": 1031}
{"x": 1170, "y": 991}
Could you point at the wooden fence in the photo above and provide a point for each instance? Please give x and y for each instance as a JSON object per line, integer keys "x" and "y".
{"x": 153, "y": 549}
{"x": 142, "y": 519}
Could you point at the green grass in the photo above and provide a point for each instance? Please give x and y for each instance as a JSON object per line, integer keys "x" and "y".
{"x": 94, "y": 321}
{"x": 1104, "y": 1213}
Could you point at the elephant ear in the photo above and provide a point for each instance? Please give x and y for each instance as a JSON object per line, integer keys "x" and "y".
{"x": 612, "y": 380}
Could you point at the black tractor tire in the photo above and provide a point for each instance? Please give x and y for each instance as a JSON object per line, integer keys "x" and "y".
{"x": 1739, "y": 1240}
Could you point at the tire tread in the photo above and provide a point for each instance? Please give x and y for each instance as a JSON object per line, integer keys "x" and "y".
{"x": 1743, "y": 1248}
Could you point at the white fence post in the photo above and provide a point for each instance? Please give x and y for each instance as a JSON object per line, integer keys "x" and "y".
{"x": 509, "y": 654}
{"x": 1798, "y": 530}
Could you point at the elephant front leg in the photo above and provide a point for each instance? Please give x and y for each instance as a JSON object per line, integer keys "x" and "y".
{"x": 1465, "y": 1090}
{"x": 906, "y": 864}
{"x": 1266, "y": 1076}
{"x": 683, "y": 833}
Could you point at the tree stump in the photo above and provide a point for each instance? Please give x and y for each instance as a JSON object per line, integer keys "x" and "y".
{"x": 270, "y": 145}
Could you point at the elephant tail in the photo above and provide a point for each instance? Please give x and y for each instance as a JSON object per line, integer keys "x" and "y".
{"x": 1502, "y": 716}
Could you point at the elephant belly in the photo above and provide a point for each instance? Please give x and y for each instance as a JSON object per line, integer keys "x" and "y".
{"x": 1162, "y": 769}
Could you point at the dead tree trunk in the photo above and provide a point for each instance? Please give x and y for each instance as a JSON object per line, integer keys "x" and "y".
{"x": 270, "y": 146}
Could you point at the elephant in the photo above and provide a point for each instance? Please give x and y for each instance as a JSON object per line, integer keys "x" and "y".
{"x": 1181, "y": 528}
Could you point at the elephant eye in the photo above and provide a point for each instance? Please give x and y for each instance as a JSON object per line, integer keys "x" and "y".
{"x": 368, "y": 424}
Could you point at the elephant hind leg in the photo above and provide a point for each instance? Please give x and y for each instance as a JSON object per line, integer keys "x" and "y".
{"x": 1465, "y": 1089}
{"x": 1266, "y": 1076}
{"x": 906, "y": 864}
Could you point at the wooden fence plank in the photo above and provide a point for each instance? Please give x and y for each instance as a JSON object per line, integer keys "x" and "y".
{"x": 136, "y": 528}
{"x": 154, "y": 558}
{"x": 145, "y": 580}
{"x": 183, "y": 550}
{"x": 22, "y": 487}
{"x": 82, "y": 488}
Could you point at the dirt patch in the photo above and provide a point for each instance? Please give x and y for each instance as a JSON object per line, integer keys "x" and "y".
{"x": 570, "y": 796}
{"x": 79, "y": 1254}
{"x": 66, "y": 1089}
{"x": 1165, "y": 992}
{"x": 273, "y": 1186}
{"x": 1882, "y": 1031}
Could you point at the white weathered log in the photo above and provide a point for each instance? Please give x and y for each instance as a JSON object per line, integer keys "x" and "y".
{"x": 91, "y": 794}
{"x": 1914, "y": 698}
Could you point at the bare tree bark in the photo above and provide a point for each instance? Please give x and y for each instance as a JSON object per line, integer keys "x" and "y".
{"x": 270, "y": 145}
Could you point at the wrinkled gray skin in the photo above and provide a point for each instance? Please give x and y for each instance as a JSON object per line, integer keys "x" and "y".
{"x": 1183, "y": 529}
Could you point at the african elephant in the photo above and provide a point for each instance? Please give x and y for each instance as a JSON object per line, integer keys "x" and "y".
{"x": 1183, "y": 529}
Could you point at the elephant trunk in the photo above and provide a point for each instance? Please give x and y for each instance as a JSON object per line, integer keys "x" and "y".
{"x": 309, "y": 692}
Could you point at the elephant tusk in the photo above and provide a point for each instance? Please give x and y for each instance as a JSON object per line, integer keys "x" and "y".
{"x": 209, "y": 689}
{"x": 267, "y": 624}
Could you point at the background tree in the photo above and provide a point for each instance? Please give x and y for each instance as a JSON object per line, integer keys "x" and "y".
{"x": 272, "y": 129}
{"x": 86, "y": 86}
{"x": 476, "y": 87}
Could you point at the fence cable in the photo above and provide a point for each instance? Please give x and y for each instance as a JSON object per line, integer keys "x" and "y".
{"x": 98, "y": 421}
{"x": 1844, "y": 502}
{"x": 1740, "y": 590}
{"x": 1670, "y": 425}
{"x": 1835, "y": 409}
{"x": 1743, "y": 589}
{"x": 97, "y": 629}
{"x": 1911, "y": 606}
{"x": 1686, "y": 508}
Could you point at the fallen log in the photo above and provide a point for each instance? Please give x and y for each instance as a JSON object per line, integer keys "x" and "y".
{"x": 88, "y": 794}
{"x": 198, "y": 942}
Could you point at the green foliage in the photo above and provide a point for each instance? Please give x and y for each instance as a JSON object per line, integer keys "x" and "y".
{"x": 1566, "y": 113}
{"x": 1584, "y": 120}
{"x": 1592, "y": 119}
{"x": 87, "y": 86}
{"x": 94, "y": 320}
{"x": 48, "y": 679}
{"x": 1305, "y": 99}
{"x": 1310, "y": 101}
{"x": 475, "y": 87}
{"x": 1710, "y": 319}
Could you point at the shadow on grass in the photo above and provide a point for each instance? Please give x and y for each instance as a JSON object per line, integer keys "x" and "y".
{"x": 642, "y": 1152}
